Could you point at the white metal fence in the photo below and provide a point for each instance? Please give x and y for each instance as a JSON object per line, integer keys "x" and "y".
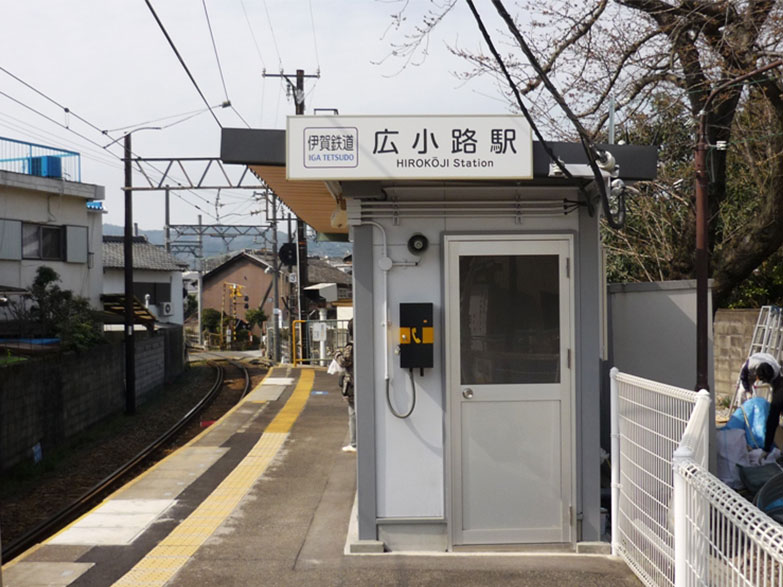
{"x": 673, "y": 522}
{"x": 648, "y": 421}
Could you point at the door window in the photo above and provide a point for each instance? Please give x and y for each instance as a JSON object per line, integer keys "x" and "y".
{"x": 509, "y": 319}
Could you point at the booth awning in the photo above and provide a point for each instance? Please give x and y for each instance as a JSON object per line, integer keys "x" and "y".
{"x": 309, "y": 200}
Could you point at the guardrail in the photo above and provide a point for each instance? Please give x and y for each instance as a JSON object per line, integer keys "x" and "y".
{"x": 316, "y": 341}
{"x": 39, "y": 160}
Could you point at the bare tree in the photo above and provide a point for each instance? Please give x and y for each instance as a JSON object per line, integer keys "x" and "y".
{"x": 633, "y": 52}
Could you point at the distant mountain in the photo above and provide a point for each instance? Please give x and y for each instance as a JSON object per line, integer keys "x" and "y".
{"x": 217, "y": 246}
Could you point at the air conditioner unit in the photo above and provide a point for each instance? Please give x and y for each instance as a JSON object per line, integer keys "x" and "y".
{"x": 166, "y": 309}
{"x": 46, "y": 166}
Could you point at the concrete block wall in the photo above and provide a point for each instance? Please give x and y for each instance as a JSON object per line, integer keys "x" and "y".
{"x": 732, "y": 335}
{"x": 49, "y": 400}
{"x": 92, "y": 386}
{"x": 23, "y": 417}
{"x": 150, "y": 366}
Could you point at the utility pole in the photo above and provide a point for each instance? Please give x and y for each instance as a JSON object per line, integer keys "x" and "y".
{"x": 200, "y": 270}
{"x": 130, "y": 346}
{"x": 276, "y": 266}
{"x": 702, "y": 227}
{"x": 301, "y": 233}
{"x": 167, "y": 231}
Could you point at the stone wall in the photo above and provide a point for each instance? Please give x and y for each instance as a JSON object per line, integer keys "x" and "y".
{"x": 732, "y": 335}
{"x": 47, "y": 400}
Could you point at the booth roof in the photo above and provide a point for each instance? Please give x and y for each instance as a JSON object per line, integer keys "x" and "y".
{"x": 264, "y": 151}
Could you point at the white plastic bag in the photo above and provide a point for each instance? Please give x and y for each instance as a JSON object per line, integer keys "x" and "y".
{"x": 334, "y": 368}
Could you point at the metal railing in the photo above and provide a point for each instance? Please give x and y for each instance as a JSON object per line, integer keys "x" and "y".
{"x": 648, "y": 421}
{"x": 39, "y": 160}
{"x": 673, "y": 522}
{"x": 316, "y": 341}
{"x": 721, "y": 538}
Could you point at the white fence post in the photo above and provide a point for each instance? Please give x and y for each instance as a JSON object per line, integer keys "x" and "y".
{"x": 681, "y": 555}
{"x": 615, "y": 454}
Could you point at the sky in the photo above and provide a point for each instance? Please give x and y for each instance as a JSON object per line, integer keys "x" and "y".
{"x": 111, "y": 66}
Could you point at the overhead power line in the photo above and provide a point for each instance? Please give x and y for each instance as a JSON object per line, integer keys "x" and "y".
{"x": 181, "y": 60}
{"x": 214, "y": 47}
{"x": 272, "y": 31}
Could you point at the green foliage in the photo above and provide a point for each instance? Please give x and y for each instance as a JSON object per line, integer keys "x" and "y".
{"x": 658, "y": 241}
{"x": 58, "y": 313}
{"x": 191, "y": 305}
{"x": 210, "y": 320}
{"x": 255, "y": 317}
{"x": 763, "y": 288}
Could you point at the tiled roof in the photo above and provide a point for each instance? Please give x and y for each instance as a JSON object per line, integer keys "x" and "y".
{"x": 318, "y": 270}
{"x": 145, "y": 255}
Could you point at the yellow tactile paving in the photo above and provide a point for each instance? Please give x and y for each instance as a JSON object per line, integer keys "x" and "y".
{"x": 168, "y": 557}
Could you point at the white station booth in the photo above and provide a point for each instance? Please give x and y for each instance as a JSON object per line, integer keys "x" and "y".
{"x": 478, "y": 317}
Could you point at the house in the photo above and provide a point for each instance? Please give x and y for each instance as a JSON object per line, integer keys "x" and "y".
{"x": 246, "y": 281}
{"x": 479, "y": 317}
{"x": 48, "y": 217}
{"x": 157, "y": 277}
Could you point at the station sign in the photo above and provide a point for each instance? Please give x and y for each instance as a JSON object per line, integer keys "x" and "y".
{"x": 408, "y": 147}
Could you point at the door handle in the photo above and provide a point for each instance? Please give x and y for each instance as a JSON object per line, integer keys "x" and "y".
{"x": 467, "y": 393}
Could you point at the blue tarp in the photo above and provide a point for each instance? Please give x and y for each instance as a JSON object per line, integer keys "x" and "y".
{"x": 30, "y": 340}
{"x": 752, "y": 418}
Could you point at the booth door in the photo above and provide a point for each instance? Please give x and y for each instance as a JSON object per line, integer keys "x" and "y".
{"x": 509, "y": 357}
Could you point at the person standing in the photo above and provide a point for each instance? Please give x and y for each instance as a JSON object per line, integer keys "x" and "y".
{"x": 344, "y": 358}
{"x": 766, "y": 373}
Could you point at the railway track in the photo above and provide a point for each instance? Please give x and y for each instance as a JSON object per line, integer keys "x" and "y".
{"x": 144, "y": 458}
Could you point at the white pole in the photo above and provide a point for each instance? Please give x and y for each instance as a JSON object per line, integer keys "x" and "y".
{"x": 681, "y": 555}
{"x": 322, "y": 344}
{"x": 615, "y": 456}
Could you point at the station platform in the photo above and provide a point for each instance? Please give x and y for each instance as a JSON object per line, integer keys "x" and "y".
{"x": 266, "y": 496}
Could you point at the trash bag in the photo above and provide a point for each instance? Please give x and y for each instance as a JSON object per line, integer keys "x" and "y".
{"x": 754, "y": 478}
{"x": 752, "y": 418}
{"x": 732, "y": 451}
{"x": 769, "y": 499}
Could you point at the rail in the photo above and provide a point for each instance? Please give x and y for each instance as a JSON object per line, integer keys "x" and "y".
{"x": 83, "y": 503}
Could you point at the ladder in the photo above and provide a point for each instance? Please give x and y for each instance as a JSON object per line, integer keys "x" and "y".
{"x": 767, "y": 338}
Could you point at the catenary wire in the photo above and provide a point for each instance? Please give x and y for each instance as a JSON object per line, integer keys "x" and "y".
{"x": 274, "y": 39}
{"x": 53, "y": 101}
{"x": 252, "y": 34}
{"x": 50, "y": 119}
{"x": 214, "y": 48}
{"x": 103, "y": 148}
{"x": 161, "y": 119}
{"x": 315, "y": 39}
{"x": 181, "y": 60}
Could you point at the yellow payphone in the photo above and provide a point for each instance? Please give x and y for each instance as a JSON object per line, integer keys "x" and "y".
{"x": 417, "y": 336}
{"x": 417, "y": 340}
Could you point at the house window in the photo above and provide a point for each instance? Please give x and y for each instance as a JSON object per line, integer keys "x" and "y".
{"x": 41, "y": 241}
{"x": 158, "y": 292}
